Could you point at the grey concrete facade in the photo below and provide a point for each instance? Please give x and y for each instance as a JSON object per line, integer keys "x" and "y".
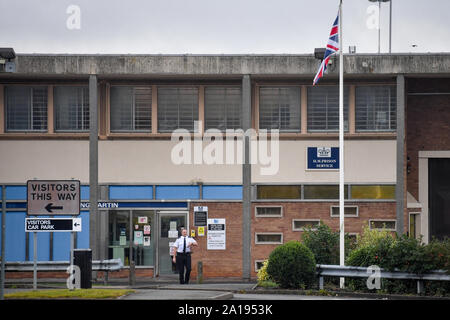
{"x": 225, "y": 65}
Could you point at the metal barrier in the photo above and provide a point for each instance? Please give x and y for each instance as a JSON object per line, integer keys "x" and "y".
{"x": 363, "y": 272}
{"x": 97, "y": 265}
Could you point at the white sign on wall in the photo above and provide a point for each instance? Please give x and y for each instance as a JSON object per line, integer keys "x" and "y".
{"x": 216, "y": 236}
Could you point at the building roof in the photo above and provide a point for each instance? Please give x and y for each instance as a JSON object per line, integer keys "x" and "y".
{"x": 230, "y": 65}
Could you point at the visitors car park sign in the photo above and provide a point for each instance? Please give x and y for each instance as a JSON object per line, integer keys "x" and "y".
{"x": 53, "y": 197}
{"x": 52, "y": 224}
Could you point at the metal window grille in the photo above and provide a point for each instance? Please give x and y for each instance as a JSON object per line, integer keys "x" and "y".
{"x": 131, "y": 109}
{"x": 26, "y": 108}
{"x": 279, "y": 108}
{"x": 71, "y": 106}
{"x": 323, "y": 108}
{"x": 376, "y": 108}
{"x": 177, "y": 108}
{"x": 223, "y": 108}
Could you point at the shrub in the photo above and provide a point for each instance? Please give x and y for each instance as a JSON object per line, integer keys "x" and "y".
{"x": 292, "y": 265}
{"x": 262, "y": 273}
{"x": 406, "y": 254}
{"x": 324, "y": 244}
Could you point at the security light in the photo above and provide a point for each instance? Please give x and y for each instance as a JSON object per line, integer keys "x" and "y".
{"x": 319, "y": 53}
{"x": 7, "y": 53}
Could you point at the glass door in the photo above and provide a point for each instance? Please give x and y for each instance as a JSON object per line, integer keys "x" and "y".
{"x": 170, "y": 225}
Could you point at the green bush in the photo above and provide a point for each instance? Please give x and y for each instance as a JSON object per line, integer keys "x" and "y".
{"x": 292, "y": 265}
{"x": 406, "y": 254}
{"x": 324, "y": 244}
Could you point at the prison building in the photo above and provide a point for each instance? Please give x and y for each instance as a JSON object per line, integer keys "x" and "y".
{"x": 169, "y": 152}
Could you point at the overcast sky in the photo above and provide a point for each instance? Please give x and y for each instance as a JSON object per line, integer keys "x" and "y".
{"x": 218, "y": 26}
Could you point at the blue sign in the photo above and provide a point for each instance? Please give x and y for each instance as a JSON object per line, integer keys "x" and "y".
{"x": 323, "y": 158}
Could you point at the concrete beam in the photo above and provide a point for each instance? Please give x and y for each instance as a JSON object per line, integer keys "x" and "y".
{"x": 400, "y": 186}
{"x": 94, "y": 234}
{"x": 246, "y": 180}
{"x": 225, "y": 65}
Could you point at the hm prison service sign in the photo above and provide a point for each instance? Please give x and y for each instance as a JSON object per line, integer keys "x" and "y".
{"x": 53, "y": 197}
{"x": 323, "y": 158}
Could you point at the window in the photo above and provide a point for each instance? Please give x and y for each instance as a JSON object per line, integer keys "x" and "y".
{"x": 376, "y": 108}
{"x": 389, "y": 225}
{"x": 177, "y": 108}
{"x": 279, "y": 108}
{"x": 223, "y": 108}
{"x": 268, "y": 238}
{"x": 373, "y": 192}
{"x": 323, "y": 192}
{"x": 135, "y": 226}
{"x": 278, "y": 192}
{"x": 269, "y": 212}
{"x": 131, "y": 109}
{"x": 71, "y": 106}
{"x": 349, "y": 211}
{"x": 302, "y": 224}
{"x": 323, "y": 108}
{"x": 258, "y": 265}
{"x": 26, "y": 108}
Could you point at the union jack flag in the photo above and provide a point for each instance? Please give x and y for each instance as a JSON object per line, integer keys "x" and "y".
{"x": 332, "y": 48}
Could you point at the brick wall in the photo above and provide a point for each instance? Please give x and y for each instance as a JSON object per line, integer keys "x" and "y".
{"x": 427, "y": 123}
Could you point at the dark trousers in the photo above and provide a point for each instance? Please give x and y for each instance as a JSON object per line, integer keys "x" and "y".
{"x": 184, "y": 261}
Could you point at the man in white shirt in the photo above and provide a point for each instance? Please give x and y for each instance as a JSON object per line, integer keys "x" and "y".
{"x": 182, "y": 255}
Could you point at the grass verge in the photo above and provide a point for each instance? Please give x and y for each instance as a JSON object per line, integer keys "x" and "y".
{"x": 67, "y": 294}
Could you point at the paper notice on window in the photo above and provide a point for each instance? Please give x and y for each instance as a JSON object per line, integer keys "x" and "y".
{"x": 147, "y": 241}
{"x": 173, "y": 233}
{"x": 142, "y": 220}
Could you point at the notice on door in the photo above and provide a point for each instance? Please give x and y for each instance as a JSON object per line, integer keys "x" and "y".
{"x": 216, "y": 237}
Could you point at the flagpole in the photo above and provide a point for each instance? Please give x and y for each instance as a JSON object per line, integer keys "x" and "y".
{"x": 341, "y": 146}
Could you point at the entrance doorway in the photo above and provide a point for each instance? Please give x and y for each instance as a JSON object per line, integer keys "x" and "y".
{"x": 170, "y": 224}
{"x": 439, "y": 197}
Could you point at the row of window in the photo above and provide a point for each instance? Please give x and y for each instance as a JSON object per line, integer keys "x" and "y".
{"x": 277, "y": 211}
{"x": 320, "y": 192}
{"x": 178, "y": 107}
{"x": 304, "y": 224}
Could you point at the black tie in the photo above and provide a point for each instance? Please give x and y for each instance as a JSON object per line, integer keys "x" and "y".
{"x": 184, "y": 247}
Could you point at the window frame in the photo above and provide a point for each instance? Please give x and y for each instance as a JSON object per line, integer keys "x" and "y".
{"x": 268, "y": 242}
{"x": 383, "y": 220}
{"x": 345, "y": 215}
{"x": 199, "y": 93}
{"x": 346, "y": 110}
{"x": 279, "y": 86}
{"x": 30, "y": 87}
{"x": 55, "y": 112}
{"x": 301, "y": 229}
{"x": 133, "y": 118}
{"x": 270, "y": 215}
{"x": 217, "y": 86}
{"x": 392, "y": 108}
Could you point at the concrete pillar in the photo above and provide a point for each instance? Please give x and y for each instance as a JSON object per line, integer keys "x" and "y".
{"x": 94, "y": 240}
{"x": 246, "y": 179}
{"x": 400, "y": 187}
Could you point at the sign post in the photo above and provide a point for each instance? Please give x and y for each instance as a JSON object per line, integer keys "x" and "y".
{"x": 55, "y": 198}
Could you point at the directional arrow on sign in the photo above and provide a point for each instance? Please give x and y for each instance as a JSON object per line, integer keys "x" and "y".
{"x": 50, "y": 207}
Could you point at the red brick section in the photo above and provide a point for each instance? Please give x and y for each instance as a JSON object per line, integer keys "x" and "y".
{"x": 427, "y": 123}
{"x": 313, "y": 210}
{"x": 228, "y": 263}
{"x": 220, "y": 263}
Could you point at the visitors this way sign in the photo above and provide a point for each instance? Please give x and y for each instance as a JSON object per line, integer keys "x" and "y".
{"x": 52, "y": 224}
{"x": 53, "y": 197}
